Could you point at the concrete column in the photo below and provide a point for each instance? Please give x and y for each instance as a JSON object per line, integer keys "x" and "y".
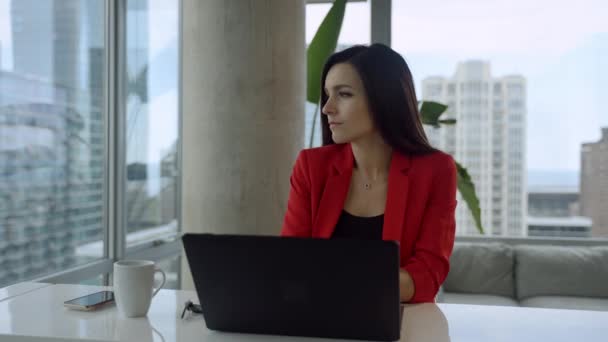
{"x": 243, "y": 96}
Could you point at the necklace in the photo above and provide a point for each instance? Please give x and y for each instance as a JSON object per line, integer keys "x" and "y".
{"x": 368, "y": 182}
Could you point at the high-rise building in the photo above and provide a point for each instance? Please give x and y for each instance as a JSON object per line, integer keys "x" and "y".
{"x": 50, "y": 29}
{"x": 594, "y": 184}
{"x": 50, "y": 201}
{"x": 51, "y": 138}
{"x": 488, "y": 139}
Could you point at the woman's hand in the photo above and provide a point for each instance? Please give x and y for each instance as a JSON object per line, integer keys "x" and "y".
{"x": 406, "y": 286}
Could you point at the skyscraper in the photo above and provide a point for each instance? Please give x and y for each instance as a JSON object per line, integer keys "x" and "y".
{"x": 48, "y": 203}
{"x": 594, "y": 184}
{"x": 52, "y": 134}
{"x": 47, "y": 40}
{"x": 488, "y": 139}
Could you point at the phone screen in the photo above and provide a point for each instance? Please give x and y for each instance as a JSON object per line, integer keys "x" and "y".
{"x": 92, "y": 299}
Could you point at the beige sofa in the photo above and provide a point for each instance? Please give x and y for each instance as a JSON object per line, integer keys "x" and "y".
{"x": 528, "y": 275}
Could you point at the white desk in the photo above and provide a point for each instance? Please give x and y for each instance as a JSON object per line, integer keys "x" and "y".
{"x": 20, "y": 289}
{"x": 39, "y": 315}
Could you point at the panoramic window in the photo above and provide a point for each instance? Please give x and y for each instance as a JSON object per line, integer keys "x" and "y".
{"x": 52, "y": 136}
{"x": 525, "y": 82}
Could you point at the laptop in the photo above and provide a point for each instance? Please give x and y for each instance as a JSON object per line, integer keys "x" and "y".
{"x": 342, "y": 288}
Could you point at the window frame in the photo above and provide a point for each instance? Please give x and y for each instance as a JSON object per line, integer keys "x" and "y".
{"x": 114, "y": 216}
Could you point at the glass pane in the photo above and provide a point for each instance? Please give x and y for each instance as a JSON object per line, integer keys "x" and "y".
{"x": 52, "y": 136}
{"x": 526, "y": 82}
{"x": 171, "y": 266}
{"x": 152, "y": 120}
{"x": 356, "y": 29}
{"x": 356, "y": 25}
{"x": 95, "y": 281}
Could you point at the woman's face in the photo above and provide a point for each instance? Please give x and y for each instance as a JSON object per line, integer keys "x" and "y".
{"x": 347, "y": 108}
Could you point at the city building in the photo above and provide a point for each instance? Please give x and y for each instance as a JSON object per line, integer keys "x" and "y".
{"x": 594, "y": 184}
{"x": 50, "y": 196}
{"x": 563, "y": 227}
{"x": 554, "y": 211}
{"x": 553, "y": 201}
{"x": 52, "y": 139}
{"x": 488, "y": 139}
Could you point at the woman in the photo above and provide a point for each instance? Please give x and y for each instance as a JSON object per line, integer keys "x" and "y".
{"x": 376, "y": 177}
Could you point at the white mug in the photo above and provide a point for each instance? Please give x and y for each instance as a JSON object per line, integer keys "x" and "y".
{"x": 134, "y": 286}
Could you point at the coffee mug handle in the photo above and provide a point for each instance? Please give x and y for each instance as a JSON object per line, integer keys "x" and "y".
{"x": 162, "y": 283}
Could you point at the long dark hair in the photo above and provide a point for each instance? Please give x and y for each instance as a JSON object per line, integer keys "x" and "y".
{"x": 391, "y": 96}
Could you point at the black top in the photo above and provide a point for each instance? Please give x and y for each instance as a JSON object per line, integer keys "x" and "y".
{"x": 357, "y": 227}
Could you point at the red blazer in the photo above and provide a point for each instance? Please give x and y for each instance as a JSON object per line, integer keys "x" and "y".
{"x": 419, "y": 212}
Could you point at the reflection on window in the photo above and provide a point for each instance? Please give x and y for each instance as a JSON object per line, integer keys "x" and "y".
{"x": 151, "y": 120}
{"x": 51, "y": 136}
{"x": 171, "y": 267}
{"x": 95, "y": 281}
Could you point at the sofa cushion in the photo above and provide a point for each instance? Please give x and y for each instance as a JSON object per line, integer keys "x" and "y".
{"x": 560, "y": 302}
{"x": 477, "y": 299}
{"x": 561, "y": 271}
{"x": 485, "y": 268}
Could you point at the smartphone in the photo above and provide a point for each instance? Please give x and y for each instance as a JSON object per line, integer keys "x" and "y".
{"x": 90, "y": 302}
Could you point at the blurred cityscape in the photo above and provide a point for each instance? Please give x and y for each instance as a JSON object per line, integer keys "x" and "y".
{"x": 489, "y": 140}
{"x": 53, "y": 144}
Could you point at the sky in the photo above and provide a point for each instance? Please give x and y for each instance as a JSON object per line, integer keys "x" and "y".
{"x": 5, "y": 35}
{"x": 560, "y": 47}
{"x": 162, "y": 28}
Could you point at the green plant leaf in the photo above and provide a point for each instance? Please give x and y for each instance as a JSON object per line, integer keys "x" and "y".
{"x": 467, "y": 190}
{"x": 430, "y": 112}
{"x": 321, "y": 47}
{"x": 448, "y": 122}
